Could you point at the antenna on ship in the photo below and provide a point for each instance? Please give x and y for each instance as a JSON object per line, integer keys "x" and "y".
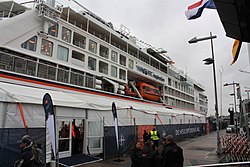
{"x": 124, "y": 30}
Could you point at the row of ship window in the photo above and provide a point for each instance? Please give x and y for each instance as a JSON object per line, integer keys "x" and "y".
{"x": 80, "y": 41}
{"x": 175, "y": 102}
{"x": 63, "y": 54}
{"x": 43, "y": 69}
{"x": 181, "y": 87}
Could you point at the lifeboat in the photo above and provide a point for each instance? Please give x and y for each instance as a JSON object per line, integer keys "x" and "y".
{"x": 146, "y": 91}
{"x": 130, "y": 91}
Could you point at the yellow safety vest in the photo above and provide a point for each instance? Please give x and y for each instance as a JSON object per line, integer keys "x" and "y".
{"x": 154, "y": 135}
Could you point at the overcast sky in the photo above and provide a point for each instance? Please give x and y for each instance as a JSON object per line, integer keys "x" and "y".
{"x": 163, "y": 24}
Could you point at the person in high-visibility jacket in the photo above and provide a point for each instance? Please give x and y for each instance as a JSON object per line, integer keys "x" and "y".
{"x": 155, "y": 136}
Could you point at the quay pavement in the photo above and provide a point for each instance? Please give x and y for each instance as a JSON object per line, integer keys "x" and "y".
{"x": 197, "y": 151}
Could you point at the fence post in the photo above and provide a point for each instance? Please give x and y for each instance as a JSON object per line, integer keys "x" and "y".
{"x": 135, "y": 134}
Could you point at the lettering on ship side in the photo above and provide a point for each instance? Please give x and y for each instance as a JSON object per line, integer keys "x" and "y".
{"x": 149, "y": 73}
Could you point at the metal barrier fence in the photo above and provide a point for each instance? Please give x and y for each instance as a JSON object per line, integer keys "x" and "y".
{"x": 236, "y": 148}
{"x": 225, "y": 164}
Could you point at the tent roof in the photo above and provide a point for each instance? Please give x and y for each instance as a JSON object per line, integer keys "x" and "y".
{"x": 23, "y": 94}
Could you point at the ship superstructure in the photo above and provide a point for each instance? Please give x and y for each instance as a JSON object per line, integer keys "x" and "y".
{"x": 61, "y": 49}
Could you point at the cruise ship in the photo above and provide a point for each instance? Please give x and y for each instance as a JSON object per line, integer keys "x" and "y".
{"x": 86, "y": 64}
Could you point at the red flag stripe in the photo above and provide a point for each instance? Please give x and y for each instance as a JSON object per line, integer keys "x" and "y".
{"x": 195, "y": 5}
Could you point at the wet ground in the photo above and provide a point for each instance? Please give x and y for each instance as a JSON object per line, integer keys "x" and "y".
{"x": 197, "y": 151}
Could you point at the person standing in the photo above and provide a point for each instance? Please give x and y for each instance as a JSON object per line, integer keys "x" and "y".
{"x": 26, "y": 158}
{"x": 145, "y": 136}
{"x": 155, "y": 136}
{"x": 172, "y": 153}
{"x": 136, "y": 155}
{"x": 148, "y": 154}
{"x": 159, "y": 156}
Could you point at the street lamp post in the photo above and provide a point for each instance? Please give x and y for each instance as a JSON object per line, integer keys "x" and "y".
{"x": 234, "y": 94}
{"x": 233, "y": 83}
{"x": 221, "y": 71}
{"x": 221, "y": 119}
{"x": 209, "y": 61}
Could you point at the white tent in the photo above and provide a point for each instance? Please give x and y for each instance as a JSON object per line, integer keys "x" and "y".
{"x": 13, "y": 93}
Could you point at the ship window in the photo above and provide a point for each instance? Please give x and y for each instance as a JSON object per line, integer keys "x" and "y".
{"x": 122, "y": 74}
{"x": 63, "y": 74}
{"x": 103, "y": 67}
{"x": 62, "y": 53}
{"x": 79, "y": 40}
{"x": 30, "y": 44}
{"x": 175, "y": 84}
{"x": 169, "y": 82}
{"x": 92, "y": 63}
{"x": 104, "y": 51}
{"x": 122, "y": 60}
{"x": 66, "y": 34}
{"x": 78, "y": 56}
{"x": 46, "y": 70}
{"x": 113, "y": 71}
{"x": 130, "y": 64}
{"x": 154, "y": 63}
{"x": 114, "y": 56}
{"x": 47, "y": 47}
{"x": 163, "y": 68}
{"x": 92, "y": 46}
{"x": 77, "y": 77}
{"x": 53, "y": 30}
{"x": 89, "y": 81}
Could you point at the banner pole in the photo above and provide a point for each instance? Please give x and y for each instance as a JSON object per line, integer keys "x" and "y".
{"x": 116, "y": 131}
{"x": 50, "y": 120}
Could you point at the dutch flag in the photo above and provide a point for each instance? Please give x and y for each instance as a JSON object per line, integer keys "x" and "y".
{"x": 194, "y": 11}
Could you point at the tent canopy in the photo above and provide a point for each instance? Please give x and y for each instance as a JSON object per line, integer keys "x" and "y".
{"x": 23, "y": 94}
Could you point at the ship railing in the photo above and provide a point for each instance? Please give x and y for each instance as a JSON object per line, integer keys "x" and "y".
{"x": 79, "y": 8}
{"x": 50, "y": 11}
{"x": 178, "y": 94}
{"x": 183, "y": 74}
{"x": 46, "y": 71}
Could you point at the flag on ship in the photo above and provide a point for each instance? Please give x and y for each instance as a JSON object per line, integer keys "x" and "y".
{"x": 50, "y": 119}
{"x": 194, "y": 11}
